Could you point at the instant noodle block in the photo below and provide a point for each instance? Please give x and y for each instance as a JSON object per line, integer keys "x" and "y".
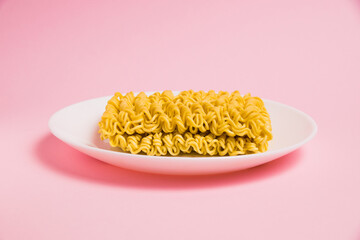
{"x": 208, "y": 123}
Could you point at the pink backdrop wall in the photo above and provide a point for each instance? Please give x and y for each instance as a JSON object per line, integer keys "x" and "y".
{"x": 302, "y": 53}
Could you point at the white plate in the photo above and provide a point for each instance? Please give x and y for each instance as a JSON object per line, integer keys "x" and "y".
{"x": 77, "y": 125}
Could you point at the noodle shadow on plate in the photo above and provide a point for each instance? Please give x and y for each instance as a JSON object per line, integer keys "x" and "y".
{"x": 61, "y": 158}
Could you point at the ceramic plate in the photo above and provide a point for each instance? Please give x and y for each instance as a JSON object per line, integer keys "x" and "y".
{"x": 77, "y": 125}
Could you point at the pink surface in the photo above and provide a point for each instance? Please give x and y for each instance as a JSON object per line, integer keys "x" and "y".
{"x": 302, "y": 53}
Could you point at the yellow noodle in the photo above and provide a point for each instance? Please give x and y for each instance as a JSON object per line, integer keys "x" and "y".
{"x": 151, "y": 124}
{"x": 174, "y": 143}
{"x": 189, "y": 111}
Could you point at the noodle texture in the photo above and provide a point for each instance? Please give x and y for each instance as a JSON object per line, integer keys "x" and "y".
{"x": 207, "y": 123}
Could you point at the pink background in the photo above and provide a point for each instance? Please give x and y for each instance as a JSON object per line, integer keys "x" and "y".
{"x": 303, "y": 53}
